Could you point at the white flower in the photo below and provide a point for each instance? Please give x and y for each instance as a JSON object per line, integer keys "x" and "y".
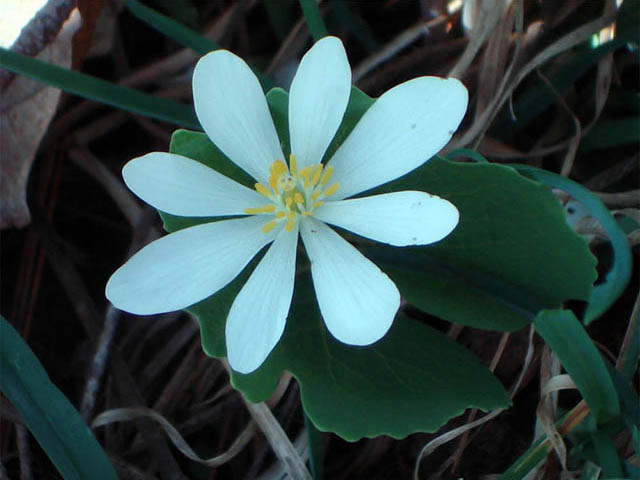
{"x": 404, "y": 128}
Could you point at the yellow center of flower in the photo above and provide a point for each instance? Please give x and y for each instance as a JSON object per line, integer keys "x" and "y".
{"x": 293, "y": 192}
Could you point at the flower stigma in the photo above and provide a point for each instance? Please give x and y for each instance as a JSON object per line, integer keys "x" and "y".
{"x": 293, "y": 192}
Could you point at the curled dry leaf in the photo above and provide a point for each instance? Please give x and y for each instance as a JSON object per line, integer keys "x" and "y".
{"x": 27, "y": 106}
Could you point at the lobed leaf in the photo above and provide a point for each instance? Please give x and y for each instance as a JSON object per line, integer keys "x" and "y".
{"x": 415, "y": 378}
{"x": 616, "y": 280}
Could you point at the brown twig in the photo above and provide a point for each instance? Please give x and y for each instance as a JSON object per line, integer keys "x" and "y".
{"x": 574, "y": 142}
{"x": 399, "y": 43}
{"x": 464, "y": 440}
{"x": 566, "y": 42}
{"x": 630, "y": 198}
{"x": 24, "y": 451}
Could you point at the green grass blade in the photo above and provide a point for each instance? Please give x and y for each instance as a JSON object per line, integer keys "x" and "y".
{"x": 183, "y": 35}
{"x": 605, "y": 294}
{"x": 100, "y": 90}
{"x": 568, "y": 339}
{"x": 47, "y": 413}
{"x": 612, "y": 132}
{"x": 313, "y": 18}
{"x": 172, "y": 29}
{"x": 281, "y": 16}
{"x": 607, "y": 455}
{"x": 355, "y": 24}
{"x": 468, "y": 153}
{"x": 527, "y": 461}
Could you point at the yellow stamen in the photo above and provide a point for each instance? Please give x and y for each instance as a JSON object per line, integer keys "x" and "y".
{"x": 304, "y": 175}
{"x": 277, "y": 168}
{"x": 293, "y": 191}
{"x": 273, "y": 183}
{"x": 290, "y": 222}
{"x": 293, "y": 164}
{"x": 262, "y": 190}
{"x": 266, "y": 209}
{"x": 331, "y": 190}
{"x": 326, "y": 175}
{"x": 267, "y": 227}
{"x": 317, "y": 171}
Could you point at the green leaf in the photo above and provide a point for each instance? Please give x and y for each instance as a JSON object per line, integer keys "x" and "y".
{"x": 431, "y": 376}
{"x": 606, "y": 293}
{"x": 47, "y": 413}
{"x": 171, "y": 28}
{"x": 315, "y": 441}
{"x": 578, "y": 355}
{"x": 511, "y": 255}
{"x": 412, "y": 380}
{"x": 100, "y": 90}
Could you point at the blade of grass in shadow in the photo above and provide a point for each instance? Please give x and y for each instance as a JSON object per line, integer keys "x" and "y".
{"x": 313, "y": 18}
{"x": 605, "y": 294}
{"x": 100, "y": 90}
{"x": 467, "y": 152}
{"x": 568, "y": 339}
{"x": 171, "y": 28}
{"x": 47, "y": 413}
{"x": 281, "y": 17}
{"x": 607, "y": 455}
{"x": 355, "y": 24}
{"x": 183, "y": 35}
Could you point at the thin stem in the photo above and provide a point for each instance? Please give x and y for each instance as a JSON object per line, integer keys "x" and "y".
{"x": 314, "y": 20}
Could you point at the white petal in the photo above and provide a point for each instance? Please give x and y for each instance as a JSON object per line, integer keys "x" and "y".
{"x": 357, "y": 300}
{"x": 187, "y": 266}
{"x": 233, "y": 112}
{"x": 181, "y": 186}
{"x": 403, "y": 129}
{"x": 318, "y": 99}
{"x": 399, "y": 218}
{"x": 259, "y": 312}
